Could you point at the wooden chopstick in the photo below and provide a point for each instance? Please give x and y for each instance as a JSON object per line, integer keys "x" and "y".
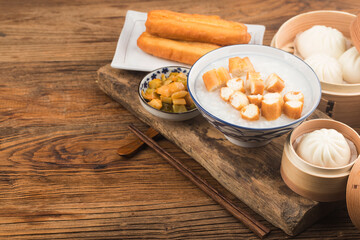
{"x": 259, "y": 229}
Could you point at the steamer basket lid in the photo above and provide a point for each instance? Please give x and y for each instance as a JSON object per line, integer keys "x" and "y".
{"x": 353, "y": 194}
{"x": 355, "y": 32}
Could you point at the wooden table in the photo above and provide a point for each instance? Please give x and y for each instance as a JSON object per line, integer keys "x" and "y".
{"x": 60, "y": 176}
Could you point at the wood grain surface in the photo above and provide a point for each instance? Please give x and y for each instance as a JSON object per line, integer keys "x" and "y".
{"x": 60, "y": 175}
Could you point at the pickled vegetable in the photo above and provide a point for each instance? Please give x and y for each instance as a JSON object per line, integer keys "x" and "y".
{"x": 179, "y": 101}
{"x": 189, "y": 101}
{"x": 167, "y": 82}
{"x": 181, "y": 76}
{"x": 164, "y": 91}
{"x": 184, "y": 82}
{"x": 167, "y": 107}
{"x": 150, "y": 94}
{"x": 179, "y": 94}
{"x": 167, "y": 100}
{"x": 155, "y": 83}
{"x": 156, "y": 103}
{"x": 176, "y": 86}
{"x": 163, "y": 78}
{"x": 169, "y": 94}
{"x": 179, "y": 108}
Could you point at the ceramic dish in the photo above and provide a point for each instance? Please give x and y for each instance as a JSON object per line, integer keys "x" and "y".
{"x": 144, "y": 84}
{"x": 265, "y": 60}
{"x": 129, "y": 56}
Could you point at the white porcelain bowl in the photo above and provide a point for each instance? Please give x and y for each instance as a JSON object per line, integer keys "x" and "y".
{"x": 295, "y": 72}
{"x": 158, "y": 113}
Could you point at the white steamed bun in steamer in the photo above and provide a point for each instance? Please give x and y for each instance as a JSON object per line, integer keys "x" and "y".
{"x": 327, "y": 68}
{"x": 350, "y": 65}
{"x": 321, "y": 39}
{"x": 324, "y": 148}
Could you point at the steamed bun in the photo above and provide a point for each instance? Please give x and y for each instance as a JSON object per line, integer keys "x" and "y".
{"x": 327, "y": 68}
{"x": 324, "y": 148}
{"x": 321, "y": 39}
{"x": 350, "y": 65}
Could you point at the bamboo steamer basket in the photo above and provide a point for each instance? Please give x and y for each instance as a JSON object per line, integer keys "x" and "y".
{"x": 321, "y": 183}
{"x": 311, "y": 181}
{"x": 339, "y": 101}
{"x": 353, "y": 195}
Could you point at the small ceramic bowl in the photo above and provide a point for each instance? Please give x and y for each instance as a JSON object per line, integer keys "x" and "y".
{"x": 287, "y": 65}
{"x": 144, "y": 84}
{"x": 321, "y": 184}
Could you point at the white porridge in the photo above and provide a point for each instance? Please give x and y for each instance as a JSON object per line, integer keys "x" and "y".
{"x": 293, "y": 78}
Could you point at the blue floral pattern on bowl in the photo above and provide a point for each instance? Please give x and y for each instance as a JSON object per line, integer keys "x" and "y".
{"x": 157, "y": 74}
{"x": 248, "y": 137}
{"x": 144, "y": 84}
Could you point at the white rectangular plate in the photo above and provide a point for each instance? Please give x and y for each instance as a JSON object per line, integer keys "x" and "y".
{"x": 129, "y": 56}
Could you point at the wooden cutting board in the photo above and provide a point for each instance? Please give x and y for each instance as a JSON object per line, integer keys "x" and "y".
{"x": 252, "y": 175}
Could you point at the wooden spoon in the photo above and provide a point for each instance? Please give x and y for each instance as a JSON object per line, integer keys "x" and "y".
{"x": 135, "y": 144}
